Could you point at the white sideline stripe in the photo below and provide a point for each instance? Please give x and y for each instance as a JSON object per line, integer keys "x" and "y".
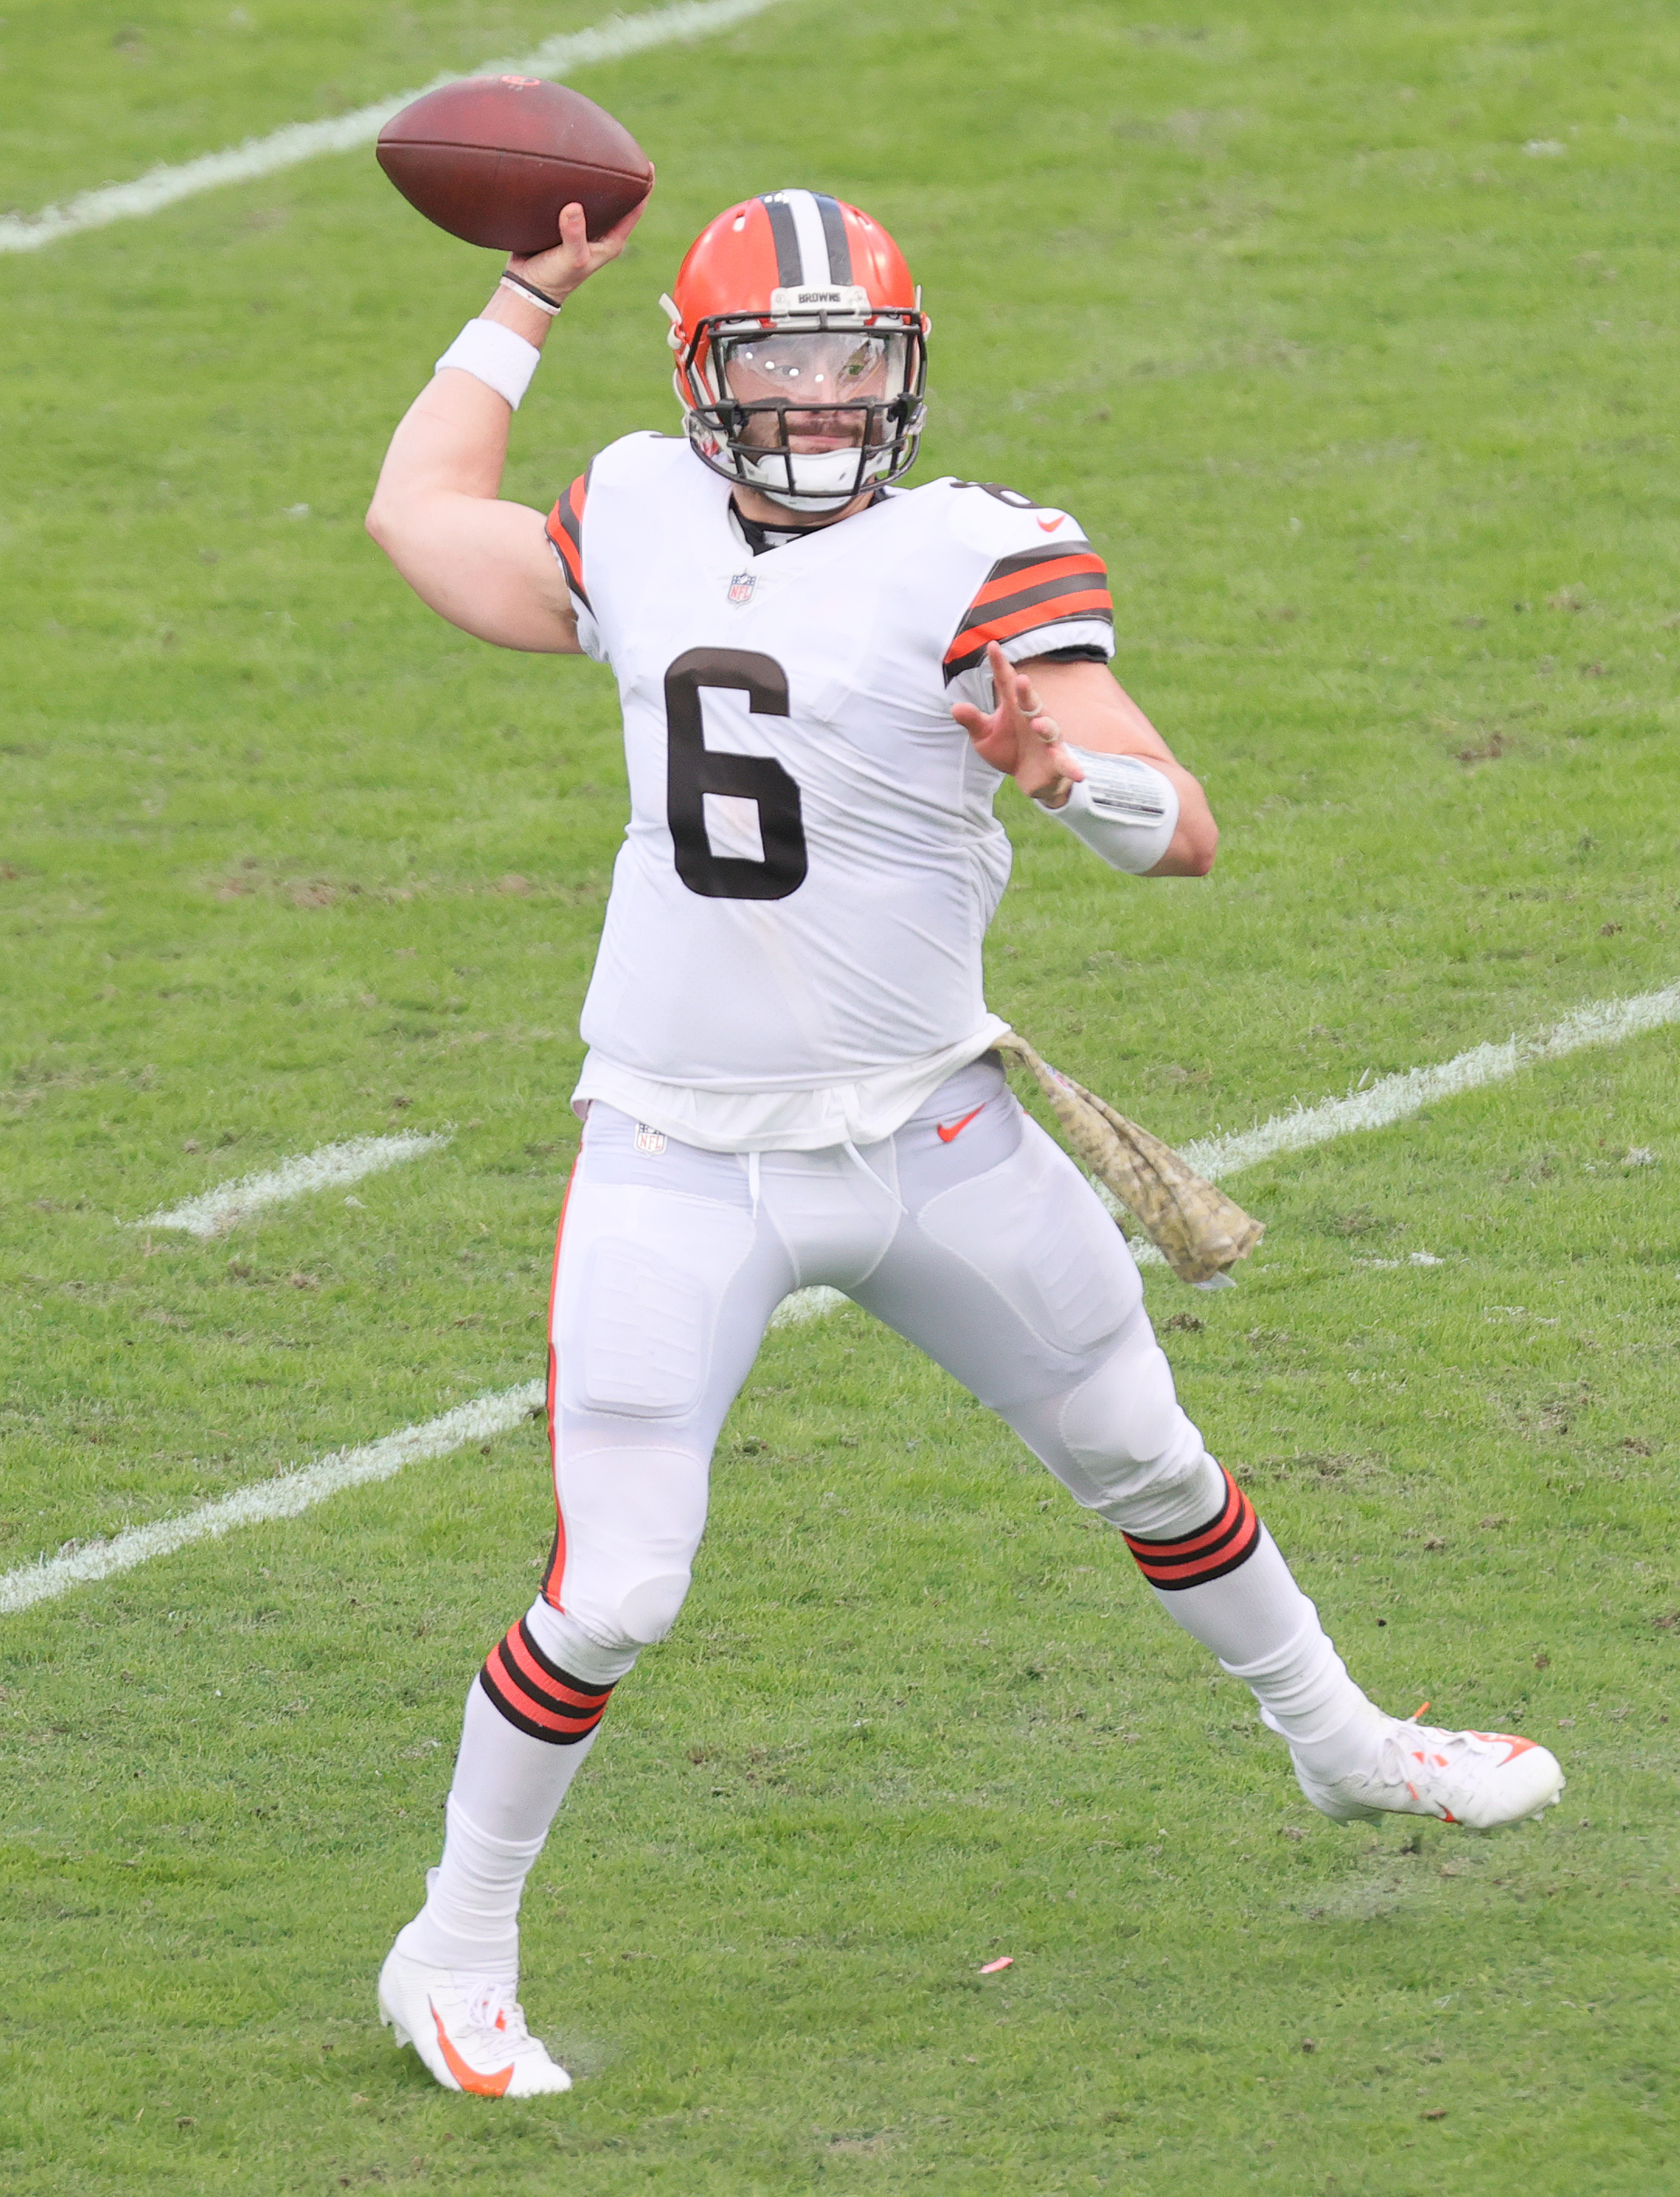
{"x": 283, "y": 1497}
{"x": 615, "y": 39}
{"x": 329, "y": 1169}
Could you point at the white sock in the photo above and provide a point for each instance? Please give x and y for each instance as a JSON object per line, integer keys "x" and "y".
{"x": 1265, "y": 1632}
{"x": 506, "y": 1788}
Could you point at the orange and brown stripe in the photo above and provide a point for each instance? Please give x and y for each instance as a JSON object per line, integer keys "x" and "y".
{"x": 565, "y": 531}
{"x": 537, "y": 1695}
{"x": 1228, "y": 1540}
{"x": 554, "y": 1570}
{"x": 1035, "y": 588}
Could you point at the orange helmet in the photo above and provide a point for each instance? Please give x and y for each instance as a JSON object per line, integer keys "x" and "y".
{"x": 801, "y": 349}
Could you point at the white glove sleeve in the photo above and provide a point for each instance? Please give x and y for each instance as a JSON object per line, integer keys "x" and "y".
{"x": 1124, "y": 810}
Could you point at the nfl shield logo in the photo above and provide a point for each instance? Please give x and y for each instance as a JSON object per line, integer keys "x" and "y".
{"x": 741, "y": 587}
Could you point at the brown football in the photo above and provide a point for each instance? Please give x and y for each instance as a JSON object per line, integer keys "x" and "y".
{"x": 494, "y": 159}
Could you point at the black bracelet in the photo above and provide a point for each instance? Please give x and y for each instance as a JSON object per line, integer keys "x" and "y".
{"x": 541, "y": 299}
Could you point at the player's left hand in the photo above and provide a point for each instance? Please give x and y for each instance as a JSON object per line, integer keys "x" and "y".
{"x": 1019, "y": 737}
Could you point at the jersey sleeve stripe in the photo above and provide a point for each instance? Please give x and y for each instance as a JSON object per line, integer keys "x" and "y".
{"x": 565, "y": 531}
{"x": 1092, "y": 613}
{"x": 1013, "y": 573}
{"x": 1046, "y": 588}
{"x": 1068, "y": 603}
{"x": 1033, "y": 587}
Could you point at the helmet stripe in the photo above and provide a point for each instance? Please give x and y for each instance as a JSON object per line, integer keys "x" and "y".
{"x": 812, "y": 244}
{"x": 790, "y": 274}
{"x": 834, "y": 235}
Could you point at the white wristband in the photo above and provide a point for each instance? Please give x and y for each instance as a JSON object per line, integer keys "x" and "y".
{"x": 531, "y": 294}
{"x": 494, "y": 354}
{"x": 1124, "y": 810}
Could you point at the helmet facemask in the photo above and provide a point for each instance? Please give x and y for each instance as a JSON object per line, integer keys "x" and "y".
{"x": 812, "y": 410}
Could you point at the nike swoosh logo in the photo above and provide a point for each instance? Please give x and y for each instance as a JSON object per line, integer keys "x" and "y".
{"x": 949, "y": 1136}
{"x": 1508, "y": 1739}
{"x": 481, "y": 2086}
{"x": 1050, "y": 525}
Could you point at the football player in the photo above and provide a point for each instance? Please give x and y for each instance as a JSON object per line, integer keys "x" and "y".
{"x": 825, "y": 676}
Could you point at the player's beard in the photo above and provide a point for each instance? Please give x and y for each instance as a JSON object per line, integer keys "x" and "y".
{"x": 810, "y": 480}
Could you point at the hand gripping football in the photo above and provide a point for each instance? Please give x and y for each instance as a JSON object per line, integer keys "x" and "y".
{"x": 494, "y": 159}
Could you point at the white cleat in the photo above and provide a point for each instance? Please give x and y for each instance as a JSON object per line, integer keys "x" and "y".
{"x": 469, "y": 2031}
{"x": 1481, "y": 1779}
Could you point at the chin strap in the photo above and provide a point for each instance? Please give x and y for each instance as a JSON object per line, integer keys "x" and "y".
{"x": 759, "y": 537}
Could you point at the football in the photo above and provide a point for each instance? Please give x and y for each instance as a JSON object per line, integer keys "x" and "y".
{"x": 493, "y": 160}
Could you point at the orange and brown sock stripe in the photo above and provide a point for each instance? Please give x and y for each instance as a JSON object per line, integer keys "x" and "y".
{"x": 538, "y": 1696}
{"x": 1218, "y": 1547}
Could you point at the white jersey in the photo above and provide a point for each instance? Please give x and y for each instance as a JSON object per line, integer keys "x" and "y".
{"x": 791, "y": 955}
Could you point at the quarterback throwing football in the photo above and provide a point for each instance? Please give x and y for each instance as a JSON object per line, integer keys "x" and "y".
{"x": 790, "y": 1076}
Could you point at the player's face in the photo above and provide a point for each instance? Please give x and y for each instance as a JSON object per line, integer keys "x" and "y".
{"x": 816, "y": 374}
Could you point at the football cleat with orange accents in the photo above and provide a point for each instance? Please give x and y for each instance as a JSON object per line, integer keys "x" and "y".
{"x": 469, "y": 2031}
{"x": 1481, "y": 1779}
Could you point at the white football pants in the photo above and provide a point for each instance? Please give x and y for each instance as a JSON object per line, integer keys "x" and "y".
{"x": 974, "y": 1235}
{"x": 970, "y": 1231}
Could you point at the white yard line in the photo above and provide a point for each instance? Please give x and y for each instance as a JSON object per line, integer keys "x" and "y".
{"x": 330, "y": 1168}
{"x": 1393, "y": 1100}
{"x": 485, "y": 1417}
{"x": 282, "y": 1497}
{"x": 613, "y": 40}
{"x": 1608, "y": 1021}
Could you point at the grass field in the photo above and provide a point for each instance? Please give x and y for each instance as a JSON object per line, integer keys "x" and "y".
{"x": 1350, "y": 334}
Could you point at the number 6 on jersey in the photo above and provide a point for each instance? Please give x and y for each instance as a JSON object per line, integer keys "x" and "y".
{"x": 694, "y": 770}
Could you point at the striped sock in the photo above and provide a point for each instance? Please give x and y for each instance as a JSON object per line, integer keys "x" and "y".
{"x": 1228, "y": 1586}
{"x": 1229, "y": 1540}
{"x": 508, "y": 1782}
{"x": 537, "y": 1695}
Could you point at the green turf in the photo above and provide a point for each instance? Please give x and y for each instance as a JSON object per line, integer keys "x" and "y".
{"x": 1338, "y": 376}
{"x": 98, "y": 93}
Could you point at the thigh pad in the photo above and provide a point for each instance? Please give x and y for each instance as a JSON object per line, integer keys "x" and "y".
{"x": 1034, "y": 1229}
{"x": 642, "y": 1277}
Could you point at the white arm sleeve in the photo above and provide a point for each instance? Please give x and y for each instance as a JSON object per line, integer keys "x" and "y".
{"x": 1124, "y": 810}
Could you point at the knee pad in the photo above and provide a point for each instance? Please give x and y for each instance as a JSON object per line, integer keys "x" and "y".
{"x": 1135, "y": 1456}
{"x": 647, "y": 1611}
{"x": 622, "y": 1599}
{"x": 563, "y": 1641}
{"x": 619, "y": 1600}
{"x": 632, "y": 1512}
